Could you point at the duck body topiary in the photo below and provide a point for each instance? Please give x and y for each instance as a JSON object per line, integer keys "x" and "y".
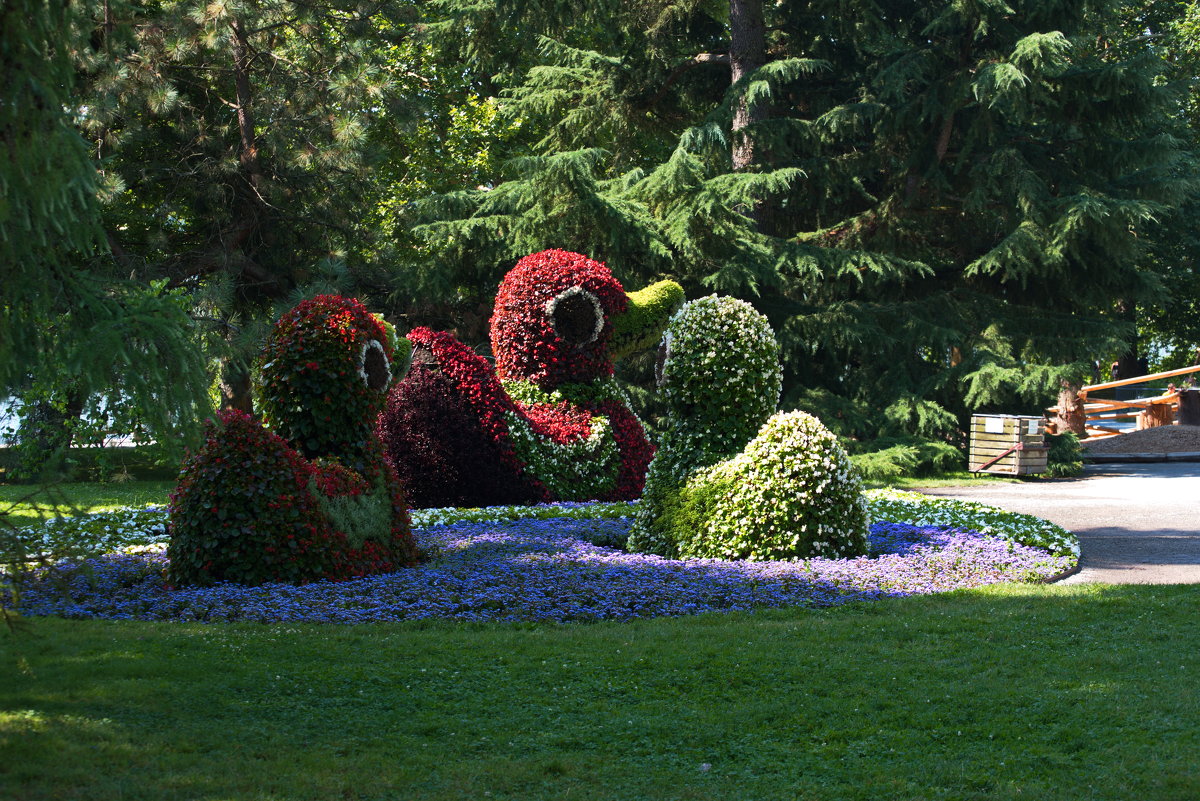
{"x": 309, "y": 495}
{"x": 548, "y": 421}
{"x": 732, "y": 480}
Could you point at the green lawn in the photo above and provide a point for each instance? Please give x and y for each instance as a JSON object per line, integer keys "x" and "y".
{"x": 26, "y": 503}
{"x": 1079, "y": 692}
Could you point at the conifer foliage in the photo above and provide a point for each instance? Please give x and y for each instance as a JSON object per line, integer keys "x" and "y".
{"x": 936, "y": 204}
{"x": 237, "y": 141}
{"x": 71, "y": 321}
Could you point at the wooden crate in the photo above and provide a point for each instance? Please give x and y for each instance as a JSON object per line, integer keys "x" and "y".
{"x": 1014, "y": 445}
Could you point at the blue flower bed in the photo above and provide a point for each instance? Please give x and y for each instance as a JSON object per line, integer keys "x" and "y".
{"x": 549, "y": 568}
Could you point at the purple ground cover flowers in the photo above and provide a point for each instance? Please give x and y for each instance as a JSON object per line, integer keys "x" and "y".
{"x": 548, "y": 570}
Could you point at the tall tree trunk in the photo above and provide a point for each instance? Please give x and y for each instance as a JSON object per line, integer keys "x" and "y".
{"x": 1189, "y": 407}
{"x": 747, "y": 52}
{"x": 251, "y": 207}
{"x": 1070, "y": 415}
{"x": 248, "y": 153}
{"x": 235, "y": 387}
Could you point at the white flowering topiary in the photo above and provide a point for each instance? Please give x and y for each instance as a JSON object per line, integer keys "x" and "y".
{"x": 720, "y": 377}
{"x": 791, "y": 494}
{"x": 729, "y": 480}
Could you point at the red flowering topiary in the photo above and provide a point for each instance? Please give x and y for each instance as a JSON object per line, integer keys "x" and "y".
{"x": 245, "y": 511}
{"x": 549, "y": 422}
{"x": 553, "y": 319}
{"x": 446, "y": 434}
{"x": 551, "y": 327}
{"x": 313, "y": 498}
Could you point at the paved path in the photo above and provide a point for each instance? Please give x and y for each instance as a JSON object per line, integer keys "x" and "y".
{"x": 1137, "y": 523}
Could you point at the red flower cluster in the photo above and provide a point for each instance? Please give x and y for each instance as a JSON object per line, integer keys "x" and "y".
{"x": 312, "y": 393}
{"x": 558, "y": 422}
{"x": 524, "y": 339}
{"x": 446, "y": 427}
{"x": 243, "y": 511}
{"x": 471, "y": 375}
{"x": 335, "y": 480}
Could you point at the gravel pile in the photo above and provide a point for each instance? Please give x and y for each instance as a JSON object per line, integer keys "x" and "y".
{"x": 1163, "y": 439}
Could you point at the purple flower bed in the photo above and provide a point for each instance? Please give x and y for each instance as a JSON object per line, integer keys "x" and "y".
{"x": 547, "y": 570}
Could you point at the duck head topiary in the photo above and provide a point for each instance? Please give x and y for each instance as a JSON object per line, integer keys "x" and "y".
{"x": 561, "y": 317}
{"x": 325, "y": 372}
{"x": 719, "y": 376}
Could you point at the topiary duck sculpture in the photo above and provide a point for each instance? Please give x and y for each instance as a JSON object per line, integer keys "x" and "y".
{"x": 732, "y": 480}
{"x": 309, "y": 495}
{"x": 548, "y": 421}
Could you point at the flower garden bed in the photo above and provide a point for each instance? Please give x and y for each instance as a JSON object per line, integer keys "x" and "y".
{"x": 562, "y": 562}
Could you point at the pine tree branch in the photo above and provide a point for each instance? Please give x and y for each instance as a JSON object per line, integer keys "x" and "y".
{"x": 270, "y": 27}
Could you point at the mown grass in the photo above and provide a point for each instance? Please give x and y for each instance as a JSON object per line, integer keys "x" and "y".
{"x": 28, "y": 503}
{"x": 1079, "y": 692}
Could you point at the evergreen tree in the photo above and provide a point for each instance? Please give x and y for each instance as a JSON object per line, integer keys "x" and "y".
{"x": 1168, "y": 328}
{"x": 47, "y": 182}
{"x": 238, "y": 141}
{"x": 68, "y": 317}
{"x": 937, "y": 205}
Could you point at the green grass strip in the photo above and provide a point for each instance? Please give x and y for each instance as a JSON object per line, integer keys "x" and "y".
{"x": 1010, "y": 692}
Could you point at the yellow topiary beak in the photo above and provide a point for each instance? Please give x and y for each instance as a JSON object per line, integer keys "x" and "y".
{"x": 644, "y": 320}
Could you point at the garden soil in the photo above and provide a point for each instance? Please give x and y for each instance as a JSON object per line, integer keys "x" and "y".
{"x": 1163, "y": 439}
{"x": 1137, "y": 523}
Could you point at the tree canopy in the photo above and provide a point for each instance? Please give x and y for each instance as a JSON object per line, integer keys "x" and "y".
{"x": 940, "y": 207}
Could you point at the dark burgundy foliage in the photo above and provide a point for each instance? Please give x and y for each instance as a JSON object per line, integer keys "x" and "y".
{"x": 436, "y": 442}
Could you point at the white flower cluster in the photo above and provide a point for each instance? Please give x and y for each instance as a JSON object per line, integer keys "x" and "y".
{"x": 101, "y": 532}
{"x": 899, "y": 506}
{"x": 493, "y": 514}
{"x": 792, "y": 493}
{"x": 722, "y": 359}
{"x": 721, "y": 380}
{"x": 580, "y": 470}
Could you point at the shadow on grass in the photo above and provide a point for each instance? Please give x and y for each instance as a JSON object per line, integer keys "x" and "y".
{"x": 1005, "y": 692}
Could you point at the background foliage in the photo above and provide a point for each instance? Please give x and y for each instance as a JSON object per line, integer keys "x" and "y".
{"x": 942, "y": 209}
{"x": 945, "y": 208}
